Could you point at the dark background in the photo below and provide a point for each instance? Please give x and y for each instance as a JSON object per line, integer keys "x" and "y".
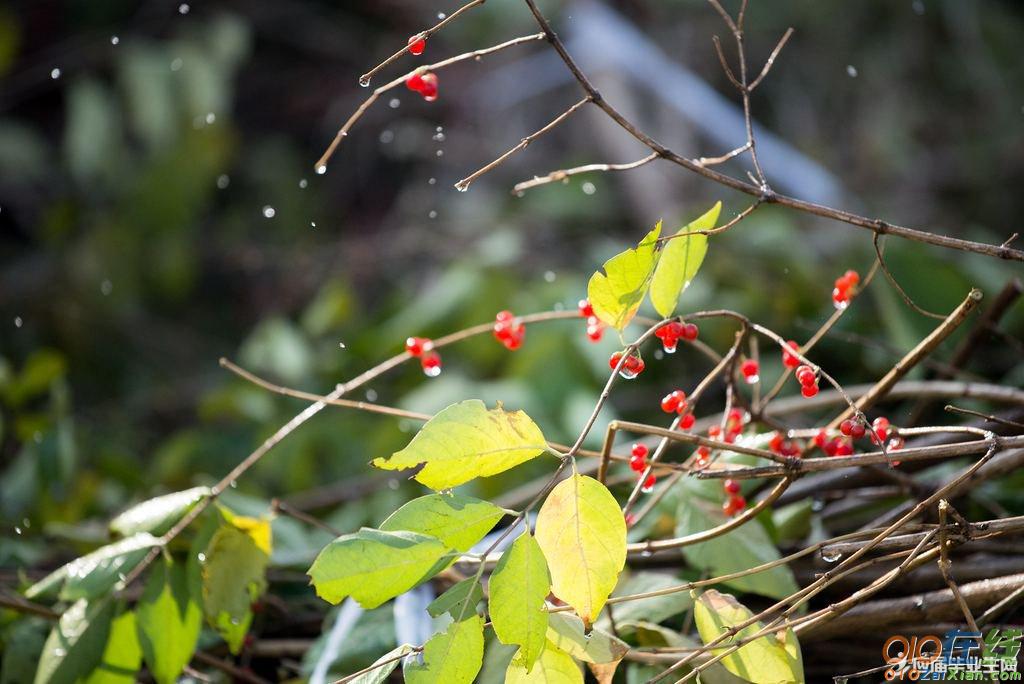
{"x": 135, "y": 247}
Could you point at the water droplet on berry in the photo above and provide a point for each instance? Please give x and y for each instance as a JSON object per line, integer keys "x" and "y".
{"x": 647, "y": 488}
{"x": 432, "y": 371}
{"x": 627, "y": 374}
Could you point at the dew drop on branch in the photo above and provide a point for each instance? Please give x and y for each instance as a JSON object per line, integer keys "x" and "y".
{"x": 321, "y": 170}
{"x": 364, "y": 81}
{"x": 830, "y": 556}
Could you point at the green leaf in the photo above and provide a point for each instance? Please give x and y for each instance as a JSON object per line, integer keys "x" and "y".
{"x": 554, "y": 667}
{"x": 582, "y": 533}
{"x": 458, "y": 521}
{"x": 373, "y": 566}
{"x": 234, "y": 576}
{"x": 680, "y": 260}
{"x": 466, "y": 441}
{"x": 451, "y": 657}
{"x": 568, "y": 633}
{"x": 379, "y": 675}
{"x": 159, "y": 514}
{"x": 459, "y": 601}
{"x": 122, "y": 656}
{"x": 519, "y": 585}
{"x": 617, "y": 293}
{"x": 656, "y": 608}
{"x": 745, "y": 547}
{"x": 96, "y": 573}
{"x": 23, "y": 644}
{"x": 770, "y": 659}
{"x": 76, "y": 643}
{"x": 169, "y": 620}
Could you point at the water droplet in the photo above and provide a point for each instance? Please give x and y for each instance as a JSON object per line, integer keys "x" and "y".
{"x": 830, "y": 556}
{"x": 303, "y": 183}
{"x": 341, "y": 344}
{"x": 17, "y": 530}
{"x": 59, "y": 652}
{"x": 321, "y": 170}
{"x": 441, "y": 15}
{"x": 918, "y": 7}
{"x": 669, "y": 348}
{"x": 647, "y": 489}
{"x": 210, "y": 118}
{"x": 432, "y": 371}
{"x": 432, "y": 214}
{"x": 439, "y": 136}
{"x": 432, "y": 181}
{"x": 462, "y": 186}
{"x": 364, "y": 81}
{"x": 106, "y": 287}
{"x": 183, "y": 8}
{"x": 17, "y": 321}
{"x": 549, "y": 276}
{"x": 520, "y": 194}
{"x": 387, "y": 136}
{"x": 627, "y": 374}
{"x": 55, "y": 73}
{"x": 371, "y": 395}
{"x": 851, "y": 71}
{"x": 440, "y": 153}
{"x": 588, "y": 188}
{"x": 269, "y": 211}
{"x": 817, "y": 505}
{"x": 201, "y": 557}
{"x": 176, "y": 64}
{"x": 753, "y": 379}
{"x": 233, "y": 484}
{"x": 393, "y": 484}
{"x": 223, "y": 181}
{"x": 114, "y": 40}
{"x": 395, "y": 103}
{"x": 646, "y": 553}
{"x": 25, "y": 522}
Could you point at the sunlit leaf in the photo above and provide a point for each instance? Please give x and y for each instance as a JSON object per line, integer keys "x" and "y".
{"x": 567, "y": 632}
{"x": 458, "y": 521}
{"x": 466, "y": 441}
{"x": 771, "y": 659}
{"x": 373, "y": 566}
{"x": 76, "y": 643}
{"x": 582, "y": 533}
{"x": 122, "y": 656}
{"x": 379, "y": 675}
{"x": 459, "y": 601}
{"x": 555, "y": 666}
{"x": 234, "y": 576}
{"x": 519, "y": 585}
{"x": 680, "y": 260}
{"x": 450, "y": 657}
{"x": 96, "y": 573}
{"x": 169, "y": 620}
{"x": 159, "y": 514}
{"x": 616, "y": 294}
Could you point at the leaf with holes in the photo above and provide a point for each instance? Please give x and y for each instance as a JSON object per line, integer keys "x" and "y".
{"x": 466, "y": 441}
{"x": 519, "y": 585}
{"x": 616, "y": 294}
{"x": 680, "y": 260}
{"x": 582, "y": 533}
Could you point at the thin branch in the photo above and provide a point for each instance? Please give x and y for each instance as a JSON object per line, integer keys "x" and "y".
{"x": 990, "y": 418}
{"x": 876, "y": 240}
{"x": 564, "y": 174}
{"x": 945, "y": 565}
{"x": 771, "y": 58}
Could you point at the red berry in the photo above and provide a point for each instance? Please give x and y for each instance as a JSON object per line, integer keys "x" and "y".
{"x": 595, "y": 329}
{"x": 674, "y": 402}
{"x": 431, "y": 363}
{"x": 417, "y": 44}
{"x": 637, "y": 464}
{"x": 789, "y": 360}
{"x": 687, "y": 421}
{"x": 846, "y": 427}
{"x": 429, "y": 88}
{"x": 632, "y": 367}
{"x": 857, "y": 430}
{"x": 881, "y": 429}
{"x": 504, "y": 316}
{"x": 749, "y": 368}
{"x": 415, "y": 83}
{"x": 613, "y": 362}
{"x": 586, "y": 310}
{"x": 843, "y": 448}
{"x": 417, "y": 345}
{"x": 690, "y": 332}
{"x": 648, "y": 484}
{"x": 733, "y": 505}
{"x": 809, "y": 390}
{"x": 669, "y": 335}
{"x": 775, "y": 443}
{"x": 640, "y": 450}
{"x": 821, "y": 438}
{"x": 852, "y": 277}
{"x": 895, "y": 444}
{"x": 805, "y": 375}
{"x": 715, "y": 431}
{"x": 630, "y": 519}
{"x": 731, "y": 486}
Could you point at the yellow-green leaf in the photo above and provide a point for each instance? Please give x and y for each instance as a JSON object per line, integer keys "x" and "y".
{"x": 169, "y": 620}
{"x": 451, "y": 657}
{"x": 466, "y": 441}
{"x": 122, "y": 657}
{"x": 458, "y": 521}
{"x": 582, "y": 533}
{"x": 234, "y": 576}
{"x": 157, "y": 515}
{"x": 378, "y": 674}
{"x": 554, "y": 667}
{"x": 771, "y": 659}
{"x": 567, "y": 632}
{"x": 617, "y": 293}
{"x": 519, "y": 585}
{"x": 680, "y": 260}
{"x": 459, "y": 601}
{"x": 373, "y": 566}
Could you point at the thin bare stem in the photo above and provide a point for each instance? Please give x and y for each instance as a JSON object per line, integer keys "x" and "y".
{"x": 564, "y": 175}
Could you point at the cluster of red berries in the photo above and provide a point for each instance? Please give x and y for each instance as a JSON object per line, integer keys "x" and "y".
{"x": 595, "y": 328}
{"x": 833, "y": 445}
{"x": 423, "y": 348}
{"x": 853, "y": 429}
{"x": 631, "y": 367}
{"x": 673, "y": 331}
{"x": 784, "y": 447}
{"x": 734, "y": 502}
{"x": 417, "y": 44}
{"x": 808, "y": 380}
{"x": 751, "y": 371}
{"x": 509, "y": 330}
{"x": 734, "y": 423}
{"x": 675, "y": 402}
{"x": 424, "y": 84}
{"x": 638, "y": 464}
{"x": 789, "y": 352}
{"x": 844, "y": 289}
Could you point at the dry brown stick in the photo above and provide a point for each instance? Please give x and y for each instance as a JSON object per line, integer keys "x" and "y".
{"x": 464, "y": 184}
{"x": 1001, "y": 303}
{"x": 987, "y": 416}
{"x": 978, "y": 530}
{"x": 997, "y": 609}
{"x": 565, "y": 174}
{"x": 874, "y": 225}
{"x": 321, "y": 164}
{"x": 945, "y": 565}
{"x": 364, "y": 80}
{"x": 771, "y": 59}
{"x": 912, "y": 358}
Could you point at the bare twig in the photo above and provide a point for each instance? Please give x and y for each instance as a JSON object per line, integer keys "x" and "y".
{"x": 563, "y": 175}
